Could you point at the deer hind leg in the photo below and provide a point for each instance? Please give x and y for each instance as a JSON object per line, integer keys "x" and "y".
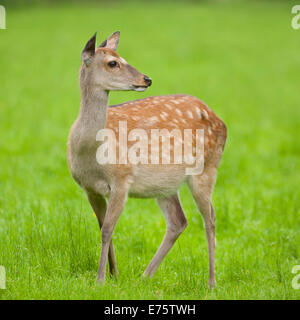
{"x": 98, "y": 204}
{"x": 176, "y": 223}
{"x": 201, "y": 188}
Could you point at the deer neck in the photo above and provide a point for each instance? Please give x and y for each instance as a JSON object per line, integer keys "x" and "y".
{"x": 93, "y": 107}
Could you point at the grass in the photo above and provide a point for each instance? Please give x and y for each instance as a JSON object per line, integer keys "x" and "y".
{"x": 242, "y": 58}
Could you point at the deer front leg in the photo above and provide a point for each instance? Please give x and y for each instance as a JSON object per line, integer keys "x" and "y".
{"x": 116, "y": 202}
{"x": 176, "y": 223}
{"x": 98, "y": 204}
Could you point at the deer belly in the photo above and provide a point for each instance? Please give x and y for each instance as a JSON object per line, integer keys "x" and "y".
{"x": 153, "y": 181}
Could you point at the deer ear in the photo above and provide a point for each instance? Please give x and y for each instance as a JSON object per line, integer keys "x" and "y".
{"x": 89, "y": 50}
{"x": 112, "y": 41}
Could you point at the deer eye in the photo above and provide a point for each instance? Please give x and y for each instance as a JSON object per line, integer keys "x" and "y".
{"x": 112, "y": 64}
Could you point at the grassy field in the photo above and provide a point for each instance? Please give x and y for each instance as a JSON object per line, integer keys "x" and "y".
{"x": 242, "y": 59}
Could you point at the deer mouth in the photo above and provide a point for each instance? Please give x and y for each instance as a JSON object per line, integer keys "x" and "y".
{"x": 140, "y": 88}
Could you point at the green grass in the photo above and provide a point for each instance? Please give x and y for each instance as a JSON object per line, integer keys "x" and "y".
{"x": 243, "y": 59}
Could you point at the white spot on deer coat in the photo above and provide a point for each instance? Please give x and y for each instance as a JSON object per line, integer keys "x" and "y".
{"x": 190, "y": 115}
{"x": 179, "y": 112}
{"x": 205, "y": 114}
{"x": 198, "y": 111}
{"x": 153, "y": 120}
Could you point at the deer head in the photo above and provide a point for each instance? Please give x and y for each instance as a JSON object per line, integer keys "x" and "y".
{"x": 104, "y": 68}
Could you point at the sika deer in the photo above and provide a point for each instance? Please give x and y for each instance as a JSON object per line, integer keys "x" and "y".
{"x": 103, "y": 70}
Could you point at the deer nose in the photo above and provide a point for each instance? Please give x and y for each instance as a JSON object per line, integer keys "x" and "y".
{"x": 148, "y": 81}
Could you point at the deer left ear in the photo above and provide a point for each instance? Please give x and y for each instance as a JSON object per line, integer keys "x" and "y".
{"x": 89, "y": 50}
{"x": 112, "y": 41}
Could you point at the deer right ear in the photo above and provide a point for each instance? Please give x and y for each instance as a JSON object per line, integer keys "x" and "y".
{"x": 89, "y": 51}
{"x": 111, "y": 42}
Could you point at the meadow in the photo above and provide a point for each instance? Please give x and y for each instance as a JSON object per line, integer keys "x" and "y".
{"x": 243, "y": 59}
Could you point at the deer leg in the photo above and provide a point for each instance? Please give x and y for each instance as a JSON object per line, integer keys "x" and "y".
{"x": 98, "y": 204}
{"x": 201, "y": 188}
{"x": 176, "y": 223}
{"x": 116, "y": 202}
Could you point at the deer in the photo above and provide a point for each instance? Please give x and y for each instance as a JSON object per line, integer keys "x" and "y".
{"x": 108, "y": 186}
